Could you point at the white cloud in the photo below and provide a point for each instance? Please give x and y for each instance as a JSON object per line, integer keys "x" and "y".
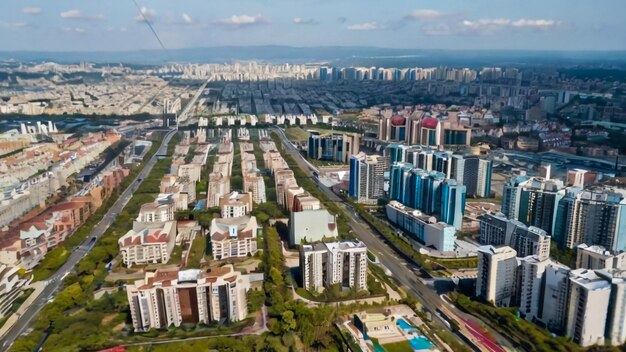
{"x": 300, "y": 20}
{"x": 78, "y": 15}
{"x": 490, "y": 25}
{"x": 147, "y": 12}
{"x": 237, "y": 21}
{"x": 367, "y": 26}
{"x": 32, "y": 10}
{"x": 74, "y": 29}
{"x": 187, "y": 19}
{"x": 426, "y": 15}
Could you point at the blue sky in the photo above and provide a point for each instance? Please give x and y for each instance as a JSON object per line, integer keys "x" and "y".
{"x": 91, "y": 25}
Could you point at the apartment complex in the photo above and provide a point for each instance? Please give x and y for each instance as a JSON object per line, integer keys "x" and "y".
{"x": 311, "y": 226}
{"x": 235, "y": 204}
{"x": 233, "y": 237}
{"x": 420, "y": 227}
{"x": 149, "y": 245}
{"x": 326, "y": 264}
{"x": 169, "y": 297}
{"x": 332, "y": 147}
{"x": 497, "y": 230}
{"x": 429, "y": 192}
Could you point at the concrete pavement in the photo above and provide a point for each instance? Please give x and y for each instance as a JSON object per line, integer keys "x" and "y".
{"x": 54, "y": 283}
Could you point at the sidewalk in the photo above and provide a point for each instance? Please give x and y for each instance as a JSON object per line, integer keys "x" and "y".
{"x": 38, "y": 286}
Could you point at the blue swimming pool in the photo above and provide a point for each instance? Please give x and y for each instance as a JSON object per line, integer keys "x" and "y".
{"x": 378, "y": 348}
{"x": 404, "y": 325}
{"x": 420, "y": 343}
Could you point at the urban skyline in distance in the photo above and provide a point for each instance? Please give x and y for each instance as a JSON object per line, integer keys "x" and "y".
{"x": 458, "y": 25}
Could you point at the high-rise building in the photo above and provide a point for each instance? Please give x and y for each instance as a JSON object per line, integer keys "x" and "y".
{"x": 395, "y": 153}
{"x": 497, "y": 275}
{"x": 595, "y": 216}
{"x": 326, "y": 264}
{"x": 333, "y": 147}
{"x": 429, "y": 192}
{"x": 599, "y": 258}
{"x": 615, "y": 331}
{"x": 532, "y": 201}
{"x": 169, "y": 297}
{"x": 588, "y": 307}
{"x": 497, "y": 230}
{"x": 366, "y": 177}
{"x": 235, "y": 204}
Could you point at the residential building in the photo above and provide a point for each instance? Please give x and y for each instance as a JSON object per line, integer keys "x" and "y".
{"x": 171, "y": 297}
{"x": 161, "y": 210}
{"x": 148, "y": 246}
{"x": 311, "y": 226}
{"x": 497, "y": 230}
{"x": 333, "y": 147}
{"x": 235, "y": 204}
{"x": 595, "y": 216}
{"x": 233, "y": 237}
{"x": 497, "y": 275}
{"x": 532, "y": 201}
{"x": 326, "y": 264}
{"x": 367, "y": 177}
{"x": 588, "y": 307}
{"x": 253, "y": 182}
{"x": 599, "y": 258}
{"x": 219, "y": 185}
{"x": 191, "y": 171}
{"x": 420, "y": 227}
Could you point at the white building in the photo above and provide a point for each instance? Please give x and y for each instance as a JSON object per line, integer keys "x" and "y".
{"x": 589, "y": 298}
{"x": 148, "y": 246}
{"x": 235, "y": 204}
{"x": 497, "y": 268}
{"x": 161, "y": 210}
{"x": 172, "y": 297}
{"x": 191, "y": 171}
{"x": 233, "y": 237}
{"x": 598, "y": 257}
{"x": 325, "y": 264}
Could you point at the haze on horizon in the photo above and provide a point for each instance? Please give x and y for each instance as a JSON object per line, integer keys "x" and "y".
{"x": 73, "y": 25}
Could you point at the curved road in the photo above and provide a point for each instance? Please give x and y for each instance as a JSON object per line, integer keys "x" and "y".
{"x": 54, "y": 283}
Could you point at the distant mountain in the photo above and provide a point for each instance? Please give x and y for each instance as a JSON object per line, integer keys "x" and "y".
{"x": 340, "y": 56}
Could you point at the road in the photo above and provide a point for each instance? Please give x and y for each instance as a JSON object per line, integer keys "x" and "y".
{"x": 182, "y": 118}
{"x": 404, "y": 272}
{"x": 54, "y": 283}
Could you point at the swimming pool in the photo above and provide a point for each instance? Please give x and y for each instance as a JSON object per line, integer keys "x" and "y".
{"x": 420, "y": 343}
{"x": 404, "y": 325}
{"x": 378, "y": 348}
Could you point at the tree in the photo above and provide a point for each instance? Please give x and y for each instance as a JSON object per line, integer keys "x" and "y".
{"x": 288, "y": 323}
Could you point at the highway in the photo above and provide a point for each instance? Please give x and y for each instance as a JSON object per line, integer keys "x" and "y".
{"x": 54, "y": 283}
{"x": 404, "y": 272}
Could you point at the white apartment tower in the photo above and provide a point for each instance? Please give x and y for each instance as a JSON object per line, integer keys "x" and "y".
{"x": 496, "y": 282}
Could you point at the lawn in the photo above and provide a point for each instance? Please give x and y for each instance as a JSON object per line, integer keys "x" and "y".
{"x": 197, "y": 252}
{"x": 296, "y": 134}
{"x": 403, "y": 346}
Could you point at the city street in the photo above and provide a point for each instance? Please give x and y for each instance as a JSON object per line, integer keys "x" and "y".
{"x": 54, "y": 283}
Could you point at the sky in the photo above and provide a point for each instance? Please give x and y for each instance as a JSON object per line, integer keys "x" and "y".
{"x": 118, "y": 25}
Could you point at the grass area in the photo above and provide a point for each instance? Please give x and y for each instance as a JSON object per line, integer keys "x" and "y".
{"x": 197, "y": 252}
{"x": 528, "y": 336}
{"x": 457, "y": 263}
{"x": 296, "y": 134}
{"x": 402, "y": 346}
{"x": 177, "y": 255}
{"x": 236, "y": 178}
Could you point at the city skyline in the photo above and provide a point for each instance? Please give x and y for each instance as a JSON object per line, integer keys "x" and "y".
{"x": 453, "y": 24}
